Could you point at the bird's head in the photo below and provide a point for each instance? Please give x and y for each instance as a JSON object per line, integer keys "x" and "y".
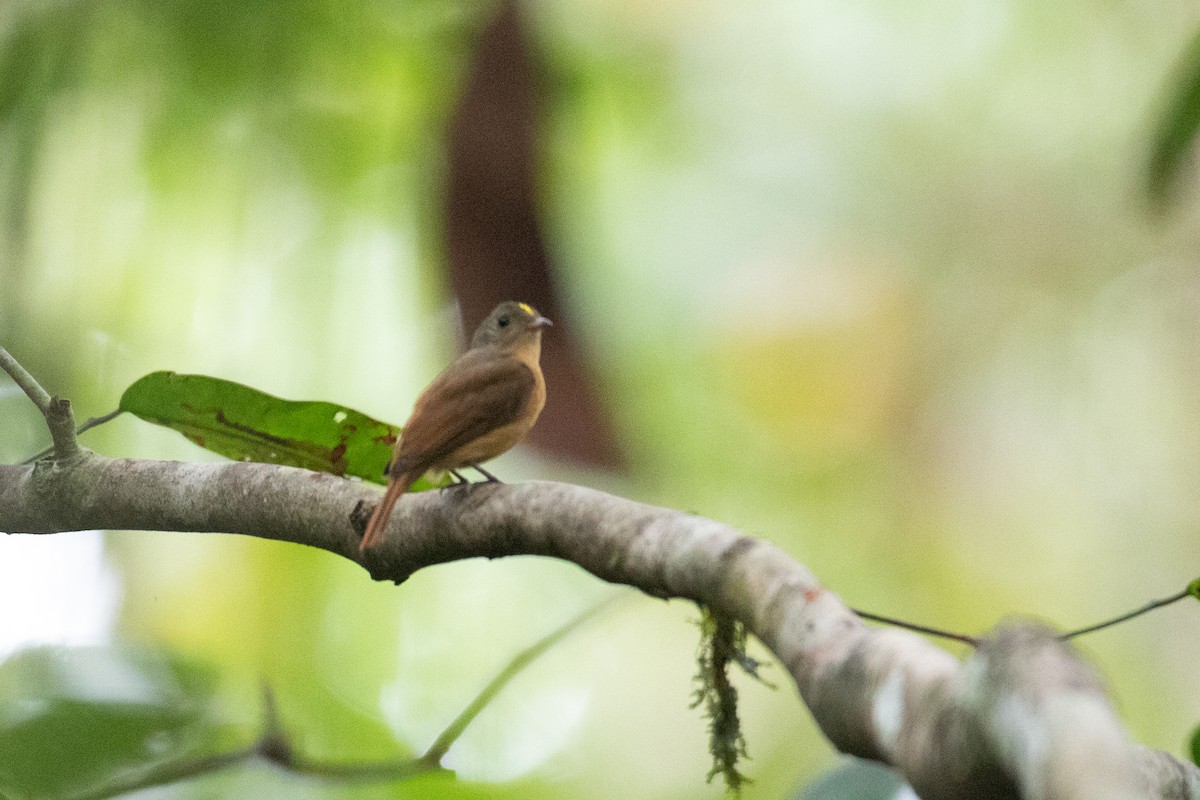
{"x": 509, "y": 325}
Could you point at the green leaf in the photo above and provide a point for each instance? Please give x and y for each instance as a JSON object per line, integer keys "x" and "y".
{"x": 245, "y": 424}
{"x": 1196, "y": 747}
{"x": 73, "y": 719}
{"x": 1194, "y": 588}
{"x": 1172, "y": 141}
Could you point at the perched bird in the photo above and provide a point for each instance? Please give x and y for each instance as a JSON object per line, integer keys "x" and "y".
{"x": 479, "y": 407}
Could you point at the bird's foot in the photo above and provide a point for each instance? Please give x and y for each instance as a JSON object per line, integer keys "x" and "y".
{"x": 490, "y": 477}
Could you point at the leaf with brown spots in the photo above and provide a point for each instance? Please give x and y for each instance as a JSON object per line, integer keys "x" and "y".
{"x": 245, "y": 424}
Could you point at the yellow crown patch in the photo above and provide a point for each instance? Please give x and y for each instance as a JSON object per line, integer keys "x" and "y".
{"x": 527, "y": 309}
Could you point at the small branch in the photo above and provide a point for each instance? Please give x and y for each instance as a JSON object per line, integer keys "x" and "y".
{"x": 1166, "y": 601}
{"x": 274, "y": 744}
{"x": 170, "y": 773}
{"x": 92, "y": 422}
{"x": 912, "y": 626}
{"x": 61, "y": 423}
{"x": 1193, "y": 589}
{"x": 56, "y": 410}
{"x": 275, "y": 747}
{"x": 455, "y": 729}
{"x": 265, "y": 748}
{"x": 33, "y": 390}
{"x": 370, "y": 772}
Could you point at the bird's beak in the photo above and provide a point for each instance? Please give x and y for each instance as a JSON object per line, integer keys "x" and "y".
{"x": 540, "y": 322}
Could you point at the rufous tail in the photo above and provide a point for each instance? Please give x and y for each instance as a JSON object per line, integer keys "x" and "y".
{"x": 383, "y": 512}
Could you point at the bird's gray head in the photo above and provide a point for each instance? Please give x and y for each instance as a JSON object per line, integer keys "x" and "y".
{"x": 510, "y": 324}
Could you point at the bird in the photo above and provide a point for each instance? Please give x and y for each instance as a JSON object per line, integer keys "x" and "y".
{"x": 477, "y": 408}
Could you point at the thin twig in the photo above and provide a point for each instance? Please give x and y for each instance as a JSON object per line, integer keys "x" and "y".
{"x": 1166, "y": 601}
{"x": 273, "y": 744}
{"x": 1192, "y": 589}
{"x": 33, "y": 390}
{"x": 55, "y": 410}
{"x": 170, "y": 773}
{"x": 93, "y": 422}
{"x": 912, "y": 626}
{"x": 455, "y": 729}
{"x": 402, "y": 769}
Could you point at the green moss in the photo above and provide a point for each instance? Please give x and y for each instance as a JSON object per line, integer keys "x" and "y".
{"x": 722, "y": 642}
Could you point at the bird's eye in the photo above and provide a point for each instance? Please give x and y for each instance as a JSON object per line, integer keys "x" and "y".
{"x": 502, "y": 322}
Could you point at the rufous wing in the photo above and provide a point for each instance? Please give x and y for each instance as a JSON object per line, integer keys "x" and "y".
{"x": 476, "y": 395}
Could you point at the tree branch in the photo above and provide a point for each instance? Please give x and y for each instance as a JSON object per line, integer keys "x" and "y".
{"x": 24, "y": 381}
{"x": 1023, "y": 716}
{"x": 56, "y": 410}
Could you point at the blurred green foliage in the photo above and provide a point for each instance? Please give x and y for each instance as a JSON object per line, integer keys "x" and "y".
{"x": 873, "y": 281}
{"x": 73, "y": 721}
{"x": 1173, "y": 144}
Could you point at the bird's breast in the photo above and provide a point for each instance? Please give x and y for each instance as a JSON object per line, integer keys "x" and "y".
{"x": 497, "y": 441}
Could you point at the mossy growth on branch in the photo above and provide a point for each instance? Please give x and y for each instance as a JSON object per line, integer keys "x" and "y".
{"x": 722, "y": 642}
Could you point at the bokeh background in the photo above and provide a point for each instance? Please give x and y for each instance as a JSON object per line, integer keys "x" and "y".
{"x": 880, "y": 283}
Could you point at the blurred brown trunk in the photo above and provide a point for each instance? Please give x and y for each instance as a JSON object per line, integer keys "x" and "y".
{"x": 494, "y": 238}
